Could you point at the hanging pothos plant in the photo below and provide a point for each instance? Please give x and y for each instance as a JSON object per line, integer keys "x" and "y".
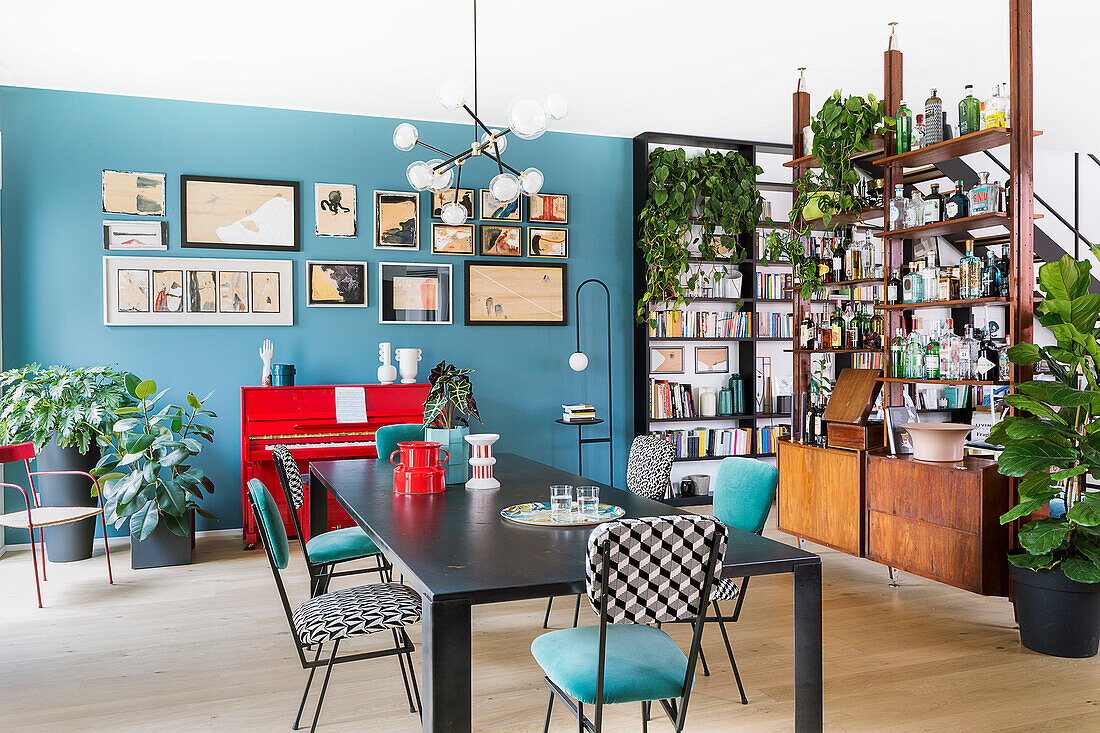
{"x": 714, "y": 191}
{"x": 842, "y": 128}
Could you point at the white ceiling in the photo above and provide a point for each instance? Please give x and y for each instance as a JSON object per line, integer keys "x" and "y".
{"x": 706, "y": 67}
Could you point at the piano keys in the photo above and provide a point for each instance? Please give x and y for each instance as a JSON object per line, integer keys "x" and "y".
{"x": 306, "y": 420}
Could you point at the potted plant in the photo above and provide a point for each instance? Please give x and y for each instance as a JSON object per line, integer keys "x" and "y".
{"x": 148, "y": 478}
{"x": 61, "y": 410}
{"x": 449, "y": 402}
{"x": 1051, "y": 444}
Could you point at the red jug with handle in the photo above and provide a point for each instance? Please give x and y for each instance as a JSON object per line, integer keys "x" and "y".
{"x": 420, "y": 470}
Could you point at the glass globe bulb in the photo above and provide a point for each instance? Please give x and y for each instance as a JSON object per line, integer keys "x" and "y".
{"x": 419, "y": 174}
{"x": 557, "y": 106}
{"x": 405, "y": 136}
{"x": 441, "y": 180}
{"x": 452, "y": 94}
{"x": 454, "y": 214}
{"x": 504, "y": 187}
{"x": 531, "y": 181}
{"x": 528, "y": 119}
{"x": 502, "y": 141}
{"x": 578, "y": 361}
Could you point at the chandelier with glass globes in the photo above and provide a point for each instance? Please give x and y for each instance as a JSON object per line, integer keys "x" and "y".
{"x": 528, "y": 118}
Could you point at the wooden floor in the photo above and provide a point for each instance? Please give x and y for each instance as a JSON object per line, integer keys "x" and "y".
{"x": 206, "y": 648}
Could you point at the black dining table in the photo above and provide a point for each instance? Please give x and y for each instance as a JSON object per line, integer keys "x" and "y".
{"x": 456, "y": 550}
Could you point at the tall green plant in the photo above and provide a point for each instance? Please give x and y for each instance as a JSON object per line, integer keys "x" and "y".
{"x": 1054, "y": 440}
{"x": 717, "y": 192}
{"x": 146, "y": 470}
{"x": 451, "y": 397}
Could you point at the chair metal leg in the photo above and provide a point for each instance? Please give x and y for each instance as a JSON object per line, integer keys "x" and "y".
{"x": 645, "y": 718}
{"x": 729, "y": 651}
{"x": 34, "y": 563}
{"x": 577, "y": 611}
{"x": 42, "y": 545}
{"x": 740, "y": 599}
{"x": 416, "y": 690}
{"x": 549, "y": 710}
{"x": 404, "y": 677}
{"x": 324, "y": 686}
{"x": 580, "y": 716}
{"x": 703, "y": 659}
{"x": 546, "y": 618}
{"x": 107, "y": 551}
{"x": 305, "y": 693}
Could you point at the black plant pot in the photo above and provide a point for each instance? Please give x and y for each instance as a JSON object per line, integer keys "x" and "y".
{"x": 68, "y": 542}
{"x": 1058, "y": 616}
{"x": 163, "y": 548}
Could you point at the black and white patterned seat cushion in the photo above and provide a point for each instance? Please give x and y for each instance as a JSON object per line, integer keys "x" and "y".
{"x": 724, "y": 589}
{"x": 288, "y": 471}
{"x": 657, "y": 566}
{"x": 649, "y": 466}
{"x": 356, "y": 611}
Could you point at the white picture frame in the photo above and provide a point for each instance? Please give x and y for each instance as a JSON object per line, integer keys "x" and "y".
{"x": 391, "y": 302}
{"x": 335, "y": 210}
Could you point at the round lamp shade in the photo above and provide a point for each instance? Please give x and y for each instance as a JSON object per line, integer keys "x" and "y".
{"x": 405, "y": 136}
{"x": 578, "y": 361}
{"x": 453, "y": 214}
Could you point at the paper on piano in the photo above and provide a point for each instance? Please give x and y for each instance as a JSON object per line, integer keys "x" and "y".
{"x": 351, "y": 404}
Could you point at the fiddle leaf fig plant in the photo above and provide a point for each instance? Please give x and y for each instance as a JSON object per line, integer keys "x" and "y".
{"x": 451, "y": 398}
{"x": 843, "y": 128}
{"x": 715, "y": 191}
{"x": 1053, "y": 440}
{"x": 147, "y": 470}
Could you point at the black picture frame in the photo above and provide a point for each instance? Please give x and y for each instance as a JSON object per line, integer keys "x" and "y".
{"x": 443, "y": 315}
{"x": 507, "y": 265}
{"x": 725, "y": 349}
{"x": 185, "y": 236}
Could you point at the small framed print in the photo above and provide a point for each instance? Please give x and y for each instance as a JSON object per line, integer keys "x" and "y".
{"x": 265, "y": 292}
{"x": 202, "y": 291}
{"x": 396, "y": 220}
{"x": 545, "y": 242}
{"x": 133, "y": 291}
{"x": 548, "y": 208}
{"x": 666, "y": 360}
{"x": 412, "y": 292}
{"x": 334, "y": 209}
{"x": 712, "y": 359}
{"x": 501, "y": 241}
{"x": 128, "y": 192}
{"x": 450, "y": 239}
{"x": 465, "y": 197}
{"x": 167, "y": 291}
{"x": 336, "y": 284}
{"x": 135, "y": 235}
{"x": 232, "y": 291}
{"x": 494, "y": 210}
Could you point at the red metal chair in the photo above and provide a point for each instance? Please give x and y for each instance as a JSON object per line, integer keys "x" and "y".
{"x": 37, "y": 517}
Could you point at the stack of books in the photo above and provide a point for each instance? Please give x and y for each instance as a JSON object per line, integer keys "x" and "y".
{"x": 708, "y": 442}
{"x": 670, "y": 400}
{"x": 578, "y": 413}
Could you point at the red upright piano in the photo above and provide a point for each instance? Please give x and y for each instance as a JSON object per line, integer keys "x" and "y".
{"x": 304, "y": 418}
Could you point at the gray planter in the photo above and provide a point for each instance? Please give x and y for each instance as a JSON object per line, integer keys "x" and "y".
{"x": 67, "y": 542}
{"x": 458, "y": 450}
{"x": 162, "y": 548}
{"x": 1057, "y": 616}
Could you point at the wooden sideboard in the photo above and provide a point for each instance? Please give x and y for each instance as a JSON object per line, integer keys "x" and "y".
{"x": 820, "y": 495}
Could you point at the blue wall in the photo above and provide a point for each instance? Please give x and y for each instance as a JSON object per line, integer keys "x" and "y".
{"x": 56, "y": 143}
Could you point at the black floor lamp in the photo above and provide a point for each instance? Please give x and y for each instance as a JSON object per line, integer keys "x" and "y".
{"x": 578, "y": 362}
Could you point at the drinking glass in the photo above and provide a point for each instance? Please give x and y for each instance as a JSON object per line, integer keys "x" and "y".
{"x": 588, "y": 501}
{"x": 561, "y": 502}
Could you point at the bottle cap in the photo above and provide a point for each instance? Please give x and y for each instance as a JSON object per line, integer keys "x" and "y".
{"x": 969, "y": 86}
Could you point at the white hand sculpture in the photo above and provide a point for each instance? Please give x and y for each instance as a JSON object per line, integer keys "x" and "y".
{"x": 267, "y": 352}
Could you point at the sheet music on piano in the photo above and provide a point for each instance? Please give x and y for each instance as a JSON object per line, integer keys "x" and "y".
{"x": 351, "y": 404}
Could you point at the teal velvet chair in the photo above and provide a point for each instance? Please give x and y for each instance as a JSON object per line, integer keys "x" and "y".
{"x": 388, "y": 436}
{"x": 633, "y": 578}
{"x": 323, "y": 552}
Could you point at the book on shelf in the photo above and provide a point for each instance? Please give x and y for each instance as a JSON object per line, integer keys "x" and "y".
{"x": 708, "y": 442}
{"x": 774, "y": 286}
{"x": 872, "y": 360}
{"x": 775, "y": 325}
{"x": 670, "y": 400}
{"x": 676, "y": 323}
{"x": 767, "y": 437}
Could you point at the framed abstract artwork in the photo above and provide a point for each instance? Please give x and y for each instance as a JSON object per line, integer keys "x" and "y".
{"x": 465, "y": 197}
{"x": 412, "y": 292}
{"x": 194, "y": 291}
{"x": 666, "y": 360}
{"x": 135, "y": 234}
{"x": 548, "y": 208}
{"x": 494, "y": 210}
{"x": 515, "y": 294}
{"x": 336, "y": 284}
{"x": 239, "y": 213}
{"x": 396, "y": 220}
{"x": 546, "y": 242}
{"x": 127, "y": 192}
{"x": 501, "y": 241}
{"x": 712, "y": 359}
{"x": 450, "y": 239}
{"x": 334, "y": 209}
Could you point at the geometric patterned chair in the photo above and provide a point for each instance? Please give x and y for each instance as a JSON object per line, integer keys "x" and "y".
{"x": 37, "y": 517}
{"x": 324, "y": 551}
{"x": 343, "y": 614}
{"x": 638, "y": 572}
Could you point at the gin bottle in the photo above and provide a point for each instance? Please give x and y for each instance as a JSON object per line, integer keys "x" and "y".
{"x": 837, "y": 328}
{"x": 896, "y": 208}
{"x": 909, "y": 285}
{"x": 991, "y": 277}
{"x": 967, "y": 348}
{"x": 933, "y": 119}
{"x": 983, "y": 197}
{"x": 958, "y": 205}
{"x": 914, "y": 357}
{"x": 931, "y": 276}
{"x": 932, "y": 357}
{"x": 903, "y": 128}
{"x": 894, "y": 289}
{"x": 914, "y": 211}
{"x": 985, "y": 368}
{"x": 970, "y": 277}
{"x": 1002, "y": 268}
{"x": 933, "y": 206}
{"x": 969, "y": 112}
{"x": 918, "y": 133}
{"x": 838, "y": 261}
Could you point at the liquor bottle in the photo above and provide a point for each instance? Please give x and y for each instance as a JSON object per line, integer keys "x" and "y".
{"x": 933, "y": 205}
{"x": 914, "y": 357}
{"x": 819, "y": 421}
{"x": 985, "y": 368}
{"x": 983, "y": 197}
{"x": 933, "y": 119}
{"x": 914, "y": 211}
{"x": 949, "y": 351}
{"x": 949, "y": 284}
{"x": 931, "y": 275}
{"x": 970, "y": 274}
{"x": 896, "y": 208}
{"x": 969, "y": 112}
{"x": 837, "y": 328}
{"x": 808, "y": 333}
{"x": 824, "y": 331}
{"x": 1002, "y": 267}
{"x": 918, "y": 133}
{"x": 991, "y": 118}
{"x": 913, "y": 285}
{"x": 852, "y": 265}
{"x": 851, "y": 327}
{"x": 838, "y": 260}
{"x": 1004, "y": 366}
{"x": 808, "y": 420}
{"x": 824, "y": 264}
{"x": 894, "y": 289}
{"x": 897, "y": 355}
{"x": 967, "y": 348}
{"x": 991, "y": 277}
{"x": 932, "y": 357}
{"x": 958, "y": 205}
{"x": 903, "y": 128}
{"x": 1004, "y": 105}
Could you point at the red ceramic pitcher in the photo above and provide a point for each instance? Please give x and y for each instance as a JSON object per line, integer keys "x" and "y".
{"x": 420, "y": 470}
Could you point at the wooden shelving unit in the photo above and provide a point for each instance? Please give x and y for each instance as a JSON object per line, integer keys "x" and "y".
{"x": 858, "y": 218}
{"x": 970, "y": 303}
{"x": 990, "y": 138}
{"x": 964, "y": 224}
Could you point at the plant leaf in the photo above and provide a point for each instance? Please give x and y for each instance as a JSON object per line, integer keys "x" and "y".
{"x": 144, "y": 520}
{"x": 1033, "y": 562}
{"x": 1044, "y": 535}
{"x": 1033, "y": 455}
{"x": 1081, "y": 569}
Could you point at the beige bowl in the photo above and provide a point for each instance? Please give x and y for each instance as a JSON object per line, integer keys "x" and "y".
{"x": 937, "y": 441}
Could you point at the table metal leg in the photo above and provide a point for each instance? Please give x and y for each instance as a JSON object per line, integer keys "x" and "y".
{"x": 318, "y": 507}
{"x": 807, "y": 648}
{"x": 446, "y": 664}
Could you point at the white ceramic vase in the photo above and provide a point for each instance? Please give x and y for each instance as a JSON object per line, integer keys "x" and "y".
{"x": 387, "y": 373}
{"x": 407, "y": 360}
{"x": 482, "y": 462}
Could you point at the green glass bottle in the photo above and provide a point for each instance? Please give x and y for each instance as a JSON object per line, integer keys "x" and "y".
{"x": 903, "y": 128}
{"x": 970, "y": 110}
